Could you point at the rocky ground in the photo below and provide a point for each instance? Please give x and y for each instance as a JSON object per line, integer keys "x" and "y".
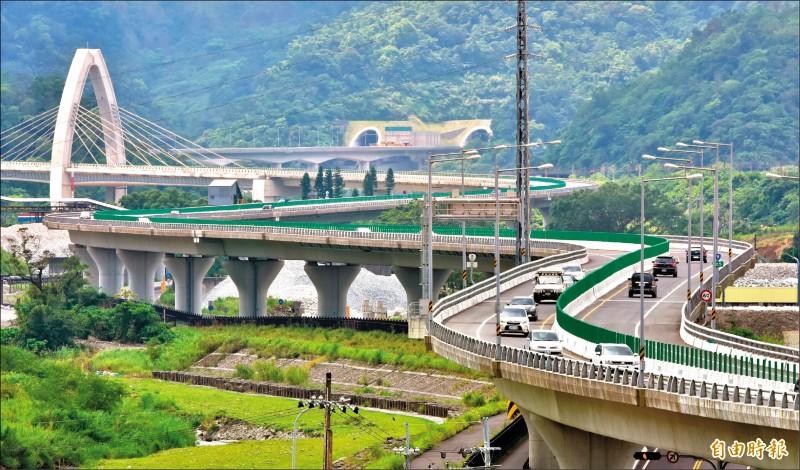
{"x": 769, "y": 275}
{"x": 348, "y": 375}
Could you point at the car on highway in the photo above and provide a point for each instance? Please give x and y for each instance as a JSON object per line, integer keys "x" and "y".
{"x": 514, "y": 320}
{"x": 527, "y": 302}
{"x": 665, "y": 265}
{"x": 575, "y": 270}
{"x": 610, "y": 354}
{"x": 649, "y": 281}
{"x": 545, "y": 342}
{"x": 696, "y": 254}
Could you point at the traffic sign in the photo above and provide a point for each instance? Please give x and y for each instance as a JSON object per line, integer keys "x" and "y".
{"x": 280, "y": 301}
{"x": 705, "y": 295}
{"x": 718, "y": 263}
{"x": 718, "y": 256}
{"x": 672, "y": 457}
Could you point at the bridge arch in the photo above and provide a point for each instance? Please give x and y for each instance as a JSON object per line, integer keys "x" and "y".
{"x": 480, "y": 131}
{"x": 366, "y": 136}
{"x": 86, "y": 63}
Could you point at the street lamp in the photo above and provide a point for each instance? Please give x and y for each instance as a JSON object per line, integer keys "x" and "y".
{"x": 702, "y": 205}
{"x": 640, "y": 383}
{"x": 716, "y": 145}
{"x": 714, "y": 270}
{"x": 689, "y": 223}
{"x": 781, "y": 177}
{"x": 427, "y": 232}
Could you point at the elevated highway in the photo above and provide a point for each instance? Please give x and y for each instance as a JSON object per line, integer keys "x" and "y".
{"x": 579, "y": 415}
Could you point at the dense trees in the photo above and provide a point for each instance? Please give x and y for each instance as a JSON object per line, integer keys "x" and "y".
{"x": 305, "y": 186}
{"x": 726, "y": 85}
{"x": 154, "y": 199}
{"x": 389, "y": 182}
{"x": 615, "y": 208}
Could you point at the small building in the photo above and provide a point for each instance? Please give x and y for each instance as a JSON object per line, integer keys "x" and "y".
{"x": 224, "y": 192}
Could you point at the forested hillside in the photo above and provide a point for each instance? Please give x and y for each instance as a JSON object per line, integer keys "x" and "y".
{"x": 253, "y": 73}
{"x": 734, "y": 81}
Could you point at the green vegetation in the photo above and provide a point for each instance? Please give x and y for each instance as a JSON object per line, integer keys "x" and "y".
{"x": 724, "y": 85}
{"x": 54, "y": 415}
{"x": 190, "y": 344}
{"x": 155, "y": 198}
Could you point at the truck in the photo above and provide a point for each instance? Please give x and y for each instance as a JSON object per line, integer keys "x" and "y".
{"x": 548, "y": 284}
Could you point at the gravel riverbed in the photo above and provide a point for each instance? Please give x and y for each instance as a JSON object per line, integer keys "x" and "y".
{"x": 769, "y": 275}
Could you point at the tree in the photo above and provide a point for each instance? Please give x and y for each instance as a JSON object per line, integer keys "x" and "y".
{"x": 338, "y": 183}
{"x": 319, "y": 184}
{"x": 305, "y": 186}
{"x": 328, "y": 185}
{"x": 406, "y": 214}
{"x": 354, "y": 192}
{"x": 389, "y": 182}
{"x": 373, "y": 173}
{"x": 26, "y": 259}
{"x": 366, "y": 185}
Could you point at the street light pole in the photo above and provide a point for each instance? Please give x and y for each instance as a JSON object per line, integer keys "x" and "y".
{"x": 427, "y": 232}
{"x": 497, "y": 259}
{"x": 714, "y": 271}
{"x": 642, "y": 343}
{"x": 463, "y": 234}
{"x": 702, "y": 208}
{"x": 730, "y": 192}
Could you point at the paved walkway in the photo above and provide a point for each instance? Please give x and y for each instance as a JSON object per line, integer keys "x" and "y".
{"x": 469, "y": 437}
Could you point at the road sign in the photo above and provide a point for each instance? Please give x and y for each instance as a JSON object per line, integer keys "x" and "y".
{"x": 280, "y": 301}
{"x": 472, "y": 264}
{"x": 705, "y": 295}
{"x": 718, "y": 263}
{"x": 672, "y": 457}
{"x": 718, "y": 256}
{"x": 472, "y": 256}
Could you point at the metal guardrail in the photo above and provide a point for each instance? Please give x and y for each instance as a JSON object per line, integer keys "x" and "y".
{"x": 589, "y": 371}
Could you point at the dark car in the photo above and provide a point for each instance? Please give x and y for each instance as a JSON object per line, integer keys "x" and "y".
{"x": 696, "y": 254}
{"x": 527, "y": 302}
{"x": 649, "y": 281}
{"x": 665, "y": 265}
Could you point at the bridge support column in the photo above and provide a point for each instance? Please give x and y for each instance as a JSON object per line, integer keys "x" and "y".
{"x": 410, "y": 280}
{"x": 115, "y": 193}
{"x": 109, "y": 269}
{"x": 364, "y": 166}
{"x": 573, "y": 447}
{"x": 252, "y": 278}
{"x": 83, "y": 254}
{"x": 332, "y": 283}
{"x": 142, "y": 267}
{"x": 187, "y": 273}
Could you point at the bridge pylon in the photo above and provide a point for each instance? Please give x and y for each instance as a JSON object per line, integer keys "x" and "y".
{"x": 86, "y": 63}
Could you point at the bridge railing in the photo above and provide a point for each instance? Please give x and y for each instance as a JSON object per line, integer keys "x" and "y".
{"x": 758, "y": 396}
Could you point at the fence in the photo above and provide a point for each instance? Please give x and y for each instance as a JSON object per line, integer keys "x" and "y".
{"x": 293, "y": 391}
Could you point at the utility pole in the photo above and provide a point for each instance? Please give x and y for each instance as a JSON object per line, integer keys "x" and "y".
{"x": 523, "y": 154}
{"x": 328, "y": 457}
{"x": 406, "y": 452}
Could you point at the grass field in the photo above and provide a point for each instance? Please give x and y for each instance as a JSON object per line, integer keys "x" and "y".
{"x": 352, "y": 433}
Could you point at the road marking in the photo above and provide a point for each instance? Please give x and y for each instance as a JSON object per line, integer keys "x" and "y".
{"x": 548, "y": 319}
{"x": 647, "y": 462}
{"x": 697, "y": 464}
{"x": 663, "y": 300}
{"x": 636, "y": 462}
{"x": 478, "y": 331}
{"x": 603, "y": 302}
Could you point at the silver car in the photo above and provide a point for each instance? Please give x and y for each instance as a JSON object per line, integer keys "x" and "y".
{"x": 545, "y": 342}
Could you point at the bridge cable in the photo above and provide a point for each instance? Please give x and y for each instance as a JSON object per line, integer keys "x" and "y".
{"x": 13, "y": 129}
{"x": 33, "y": 125}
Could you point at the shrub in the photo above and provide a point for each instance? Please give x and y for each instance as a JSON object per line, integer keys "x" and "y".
{"x": 9, "y": 335}
{"x": 267, "y": 371}
{"x": 296, "y": 375}
{"x": 473, "y": 400}
{"x": 243, "y": 371}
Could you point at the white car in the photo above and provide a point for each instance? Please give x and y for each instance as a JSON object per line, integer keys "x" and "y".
{"x": 545, "y": 342}
{"x": 575, "y": 270}
{"x": 619, "y": 355}
{"x": 514, "y": 320}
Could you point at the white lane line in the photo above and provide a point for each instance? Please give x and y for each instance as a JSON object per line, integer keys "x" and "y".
{"x": 478, "y": 331}
{"x": 636, "y": 462}
{"x": 636, "y": 328}
{"x": 645, "y": 464}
